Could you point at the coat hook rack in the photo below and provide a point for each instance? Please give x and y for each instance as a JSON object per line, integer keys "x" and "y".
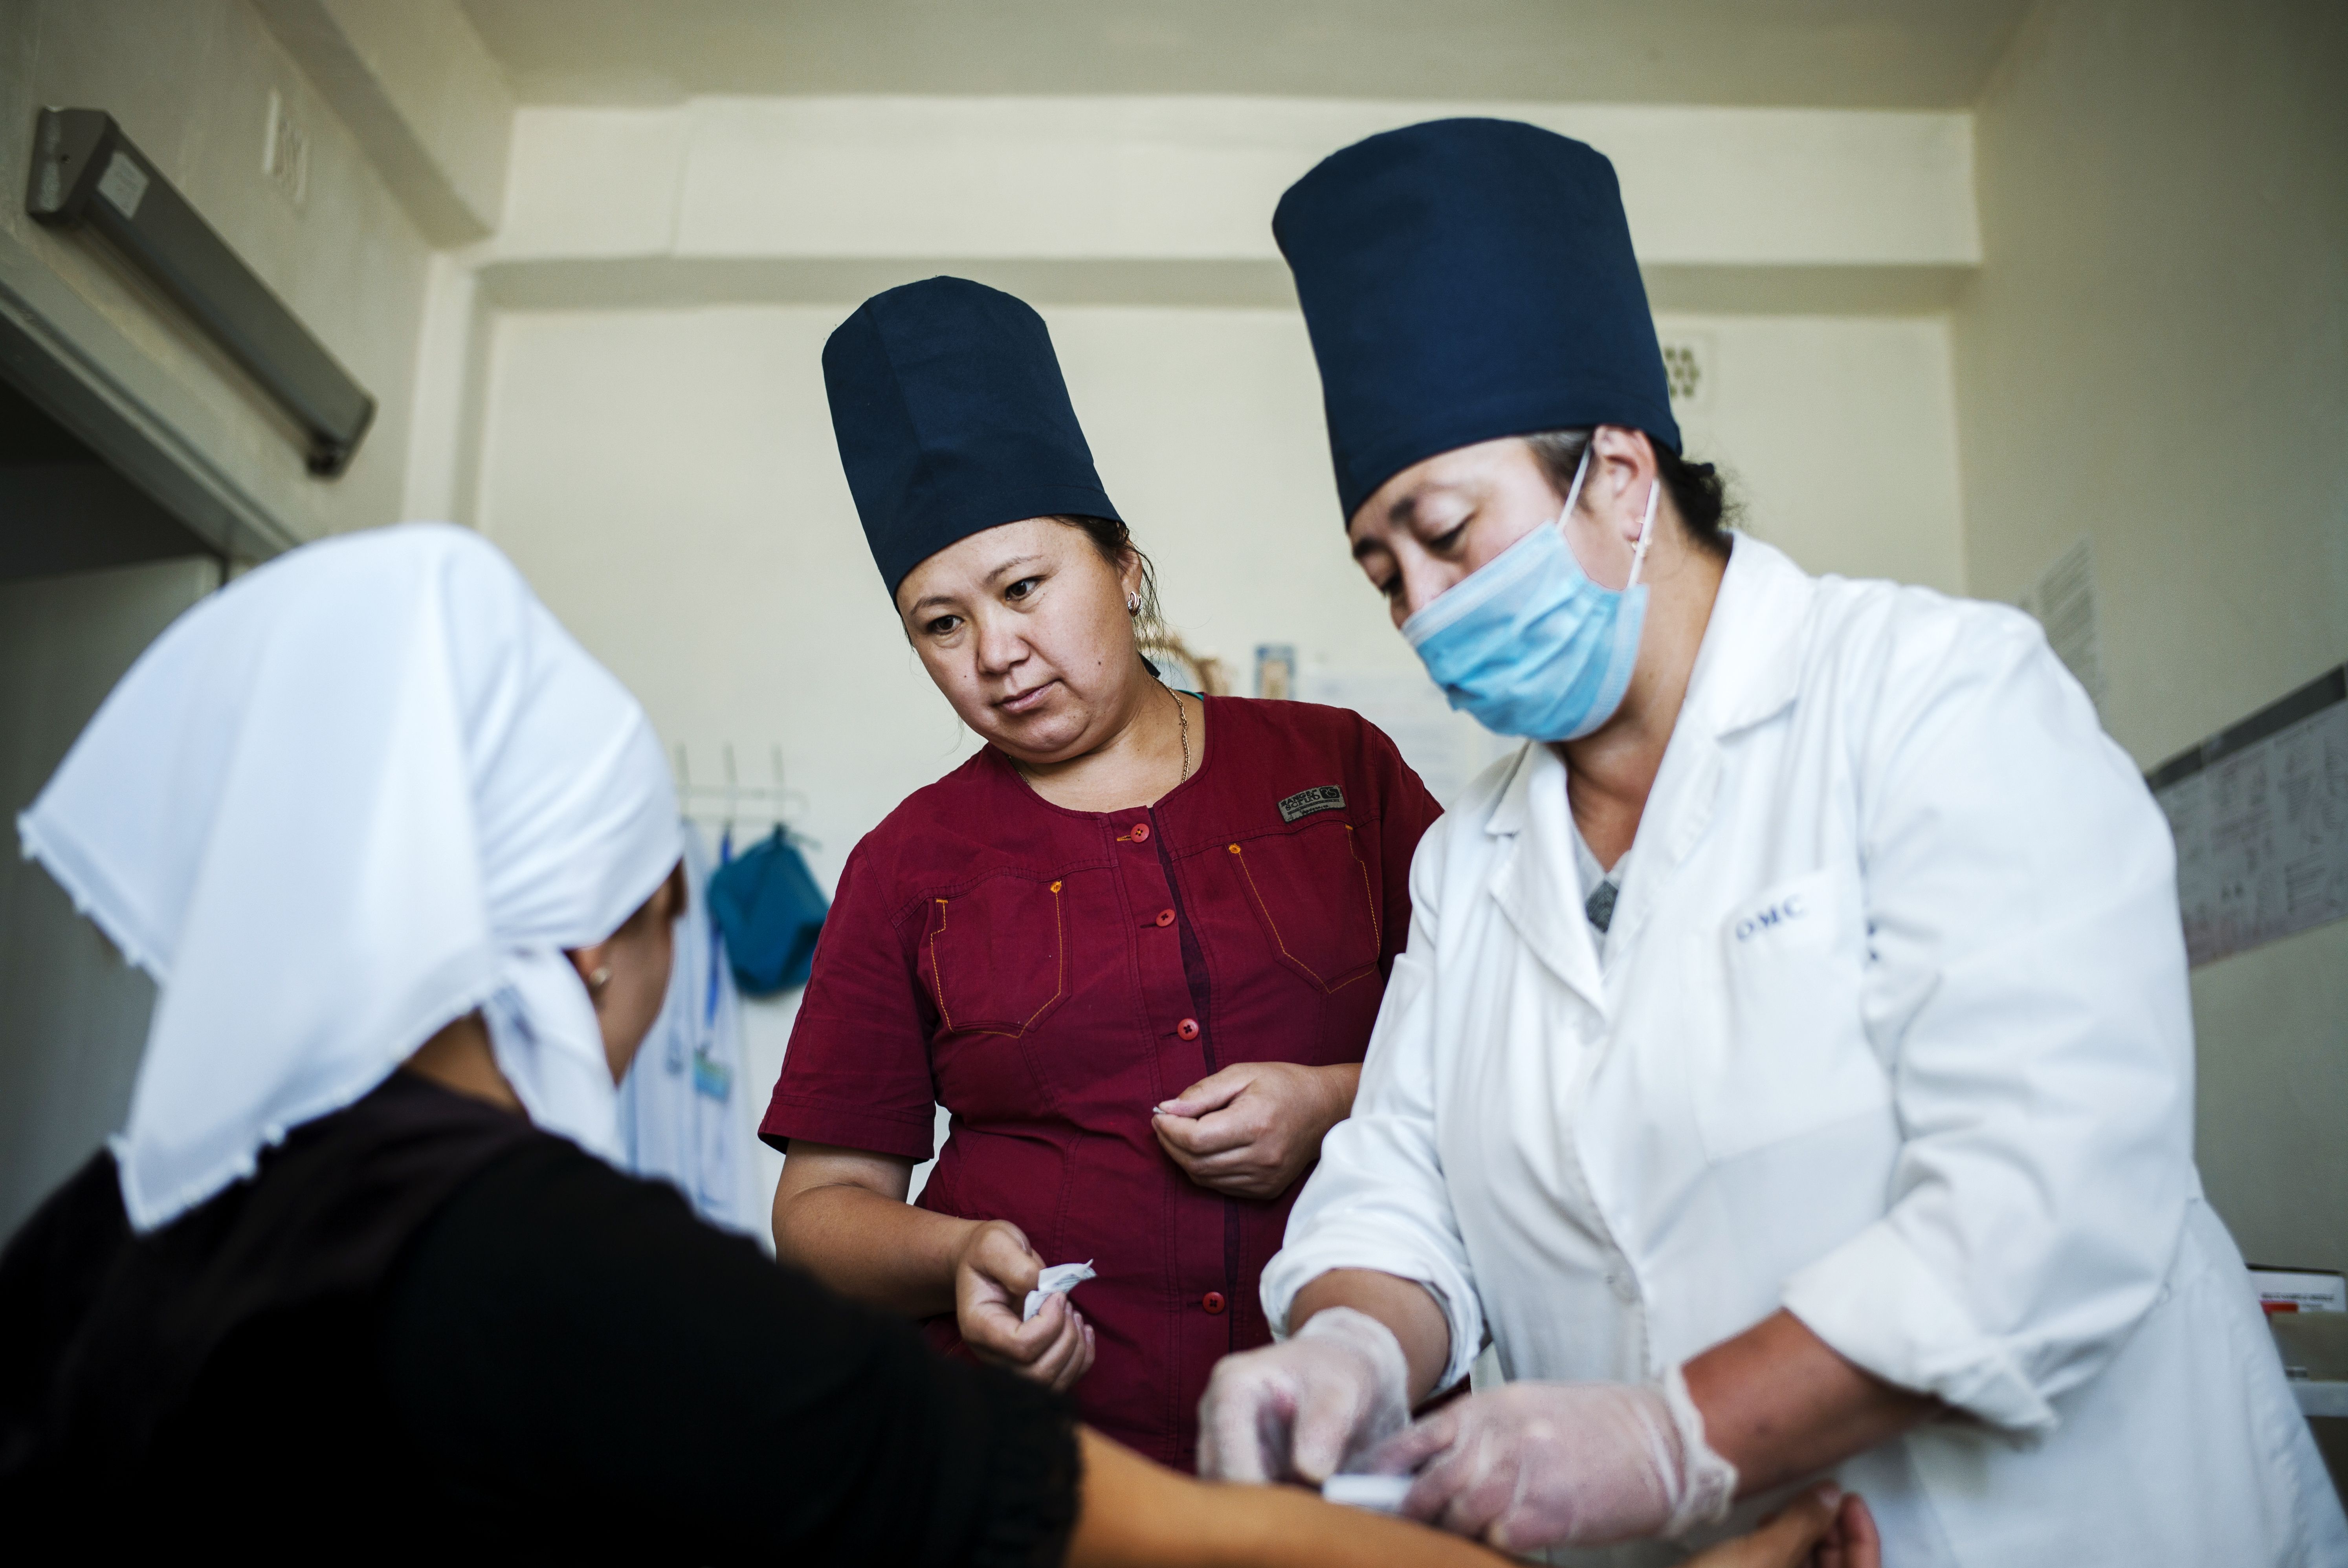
{"x": 724, "y": 803}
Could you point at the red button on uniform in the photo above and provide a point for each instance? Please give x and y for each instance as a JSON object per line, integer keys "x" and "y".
{"x": 1166, "y": 916}
{"x": 1140, "y": 832}
{"x": 1213, "y": 1302}
{"x": 1188, "y": 1029}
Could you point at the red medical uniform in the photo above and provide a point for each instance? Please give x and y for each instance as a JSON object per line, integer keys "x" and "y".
{"x": 1048, "y": 975}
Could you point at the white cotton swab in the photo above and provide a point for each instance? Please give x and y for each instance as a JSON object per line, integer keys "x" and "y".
{"x": 1377, "y": 1493}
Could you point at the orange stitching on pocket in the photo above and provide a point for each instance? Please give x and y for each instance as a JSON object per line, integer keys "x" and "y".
{"x": 1060, "y": 949}
{"x": 1257, "y": 895}
{"x": 1377, "y": 937}
{"x": 937, "y": 975}
{"x": 1059, "y": 982}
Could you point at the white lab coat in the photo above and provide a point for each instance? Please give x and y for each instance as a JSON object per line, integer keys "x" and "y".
{"x": 685, "y": 1106}
{"x": 1892, "y": 1031}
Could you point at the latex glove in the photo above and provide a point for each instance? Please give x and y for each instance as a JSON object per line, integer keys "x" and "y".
{"x": 993, "y": 1272}
{"x": 1303, "y": 1408}
{"x": 1251, "y": 1129}
{"x": 1563, "y": 1464}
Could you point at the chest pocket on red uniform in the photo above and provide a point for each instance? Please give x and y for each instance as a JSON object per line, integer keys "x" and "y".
{"x": 1311, "y": 891}
{"x": 995, "y": 956}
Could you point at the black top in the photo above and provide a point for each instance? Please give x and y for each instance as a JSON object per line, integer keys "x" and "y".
{"x": 426, "y": 1326}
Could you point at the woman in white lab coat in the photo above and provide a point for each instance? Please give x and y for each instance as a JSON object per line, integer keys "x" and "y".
{"x": 1790, "y": 1069}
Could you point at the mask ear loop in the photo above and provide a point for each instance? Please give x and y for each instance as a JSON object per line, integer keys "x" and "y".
{"x": 1646, "y": 529}
{"x": 1646, "y": 524}
{"x": 1581, "y": 472}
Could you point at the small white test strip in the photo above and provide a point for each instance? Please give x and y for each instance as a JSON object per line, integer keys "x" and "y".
{"x": 1057, "y": 1280}
{"x": 1378, "y": 1493}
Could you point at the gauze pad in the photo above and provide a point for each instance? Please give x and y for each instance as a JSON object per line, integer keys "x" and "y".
{"x": 1057, "y": 1280}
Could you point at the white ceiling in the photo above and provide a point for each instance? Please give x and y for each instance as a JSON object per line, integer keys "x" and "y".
{"x": 1888, "y": 54}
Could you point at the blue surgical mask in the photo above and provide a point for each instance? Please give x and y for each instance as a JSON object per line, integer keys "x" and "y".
{"x": 1527, "y": 644}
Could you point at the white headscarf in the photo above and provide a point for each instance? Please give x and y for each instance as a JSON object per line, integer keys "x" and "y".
{"x": 363, "y": 791}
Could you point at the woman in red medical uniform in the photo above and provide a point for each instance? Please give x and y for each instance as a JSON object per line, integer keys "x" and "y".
{"x": 1135, "y": 945}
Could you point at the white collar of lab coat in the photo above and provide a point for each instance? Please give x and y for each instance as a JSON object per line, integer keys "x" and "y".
{"x": 1747, "y": 671}
{"x": 1748, "y": 667}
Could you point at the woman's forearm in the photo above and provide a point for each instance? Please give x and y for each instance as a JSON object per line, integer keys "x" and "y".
{"x": 1406, "y": 1308}
{"x": 1344, "y": 1081}
{"x": 1778, "y": 1403}
{"x": 1132, "y": 1513}
{"x": 870, "y": 1247}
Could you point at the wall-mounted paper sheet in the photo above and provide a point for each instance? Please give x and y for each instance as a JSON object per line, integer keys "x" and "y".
{"x": 2260, "y": 813}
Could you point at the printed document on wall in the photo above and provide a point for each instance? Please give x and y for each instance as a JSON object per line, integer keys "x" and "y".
{"x": 2261, "y": 818}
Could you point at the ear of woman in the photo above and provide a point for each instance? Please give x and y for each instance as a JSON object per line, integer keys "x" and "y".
{"x": 623, "y": 973}
{"x": 1612, "y": 514}
{"x": 626, "y": 974}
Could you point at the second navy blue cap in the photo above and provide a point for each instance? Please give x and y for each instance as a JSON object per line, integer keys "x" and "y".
{"x": 952, "y": 418}
{"x": 1465, "y": 280}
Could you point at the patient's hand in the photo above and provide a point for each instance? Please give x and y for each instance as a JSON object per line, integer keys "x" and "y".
{"x": 1822, "y": 1528}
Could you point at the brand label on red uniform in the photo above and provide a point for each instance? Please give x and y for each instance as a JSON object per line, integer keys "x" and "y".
{"x": 1305, "y": 802}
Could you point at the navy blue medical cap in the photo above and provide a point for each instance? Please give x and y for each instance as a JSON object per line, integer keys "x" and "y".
{"x": 952, "y": 419}
{"x": 1465, "y": 280}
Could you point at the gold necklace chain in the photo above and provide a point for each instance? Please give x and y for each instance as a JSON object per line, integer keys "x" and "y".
{"x": 1182, "y": 714}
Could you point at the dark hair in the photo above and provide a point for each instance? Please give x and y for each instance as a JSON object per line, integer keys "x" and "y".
{"x": 1114, "y": 542}
{"x": 1698, "y": 492}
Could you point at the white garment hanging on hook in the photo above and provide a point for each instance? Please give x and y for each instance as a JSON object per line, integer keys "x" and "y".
{"x": 685, "y": 1114}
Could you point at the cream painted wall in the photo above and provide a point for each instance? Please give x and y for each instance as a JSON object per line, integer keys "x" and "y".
{"x": 667, "y": 480}
{"x": 2155, "y": 355}
{"x": 428, "y": 105}
{"x": 189, "y": 81}
{"x": 1839, "y": 433}
{"x": 1195, "y": 177}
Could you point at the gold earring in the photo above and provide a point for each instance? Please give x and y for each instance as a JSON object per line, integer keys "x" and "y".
{"x": 598, "y": 979}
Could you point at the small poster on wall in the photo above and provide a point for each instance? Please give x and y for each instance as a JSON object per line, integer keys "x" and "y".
{"x": 2259, "y": 811}
{"x": 1275, "y": 671}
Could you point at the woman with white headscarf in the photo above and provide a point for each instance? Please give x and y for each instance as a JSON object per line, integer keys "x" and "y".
{"x": 402, "y": 859}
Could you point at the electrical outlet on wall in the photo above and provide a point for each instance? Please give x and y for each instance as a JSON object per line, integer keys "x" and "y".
{"x": 285, "y": 153}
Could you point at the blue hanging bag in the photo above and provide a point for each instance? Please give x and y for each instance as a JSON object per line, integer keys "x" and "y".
{"x": 770, "y": 911}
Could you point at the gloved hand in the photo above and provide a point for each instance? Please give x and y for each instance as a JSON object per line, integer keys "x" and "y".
{"x": 1301, "y": 1409}
{"x": 1531, "y": 1465}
